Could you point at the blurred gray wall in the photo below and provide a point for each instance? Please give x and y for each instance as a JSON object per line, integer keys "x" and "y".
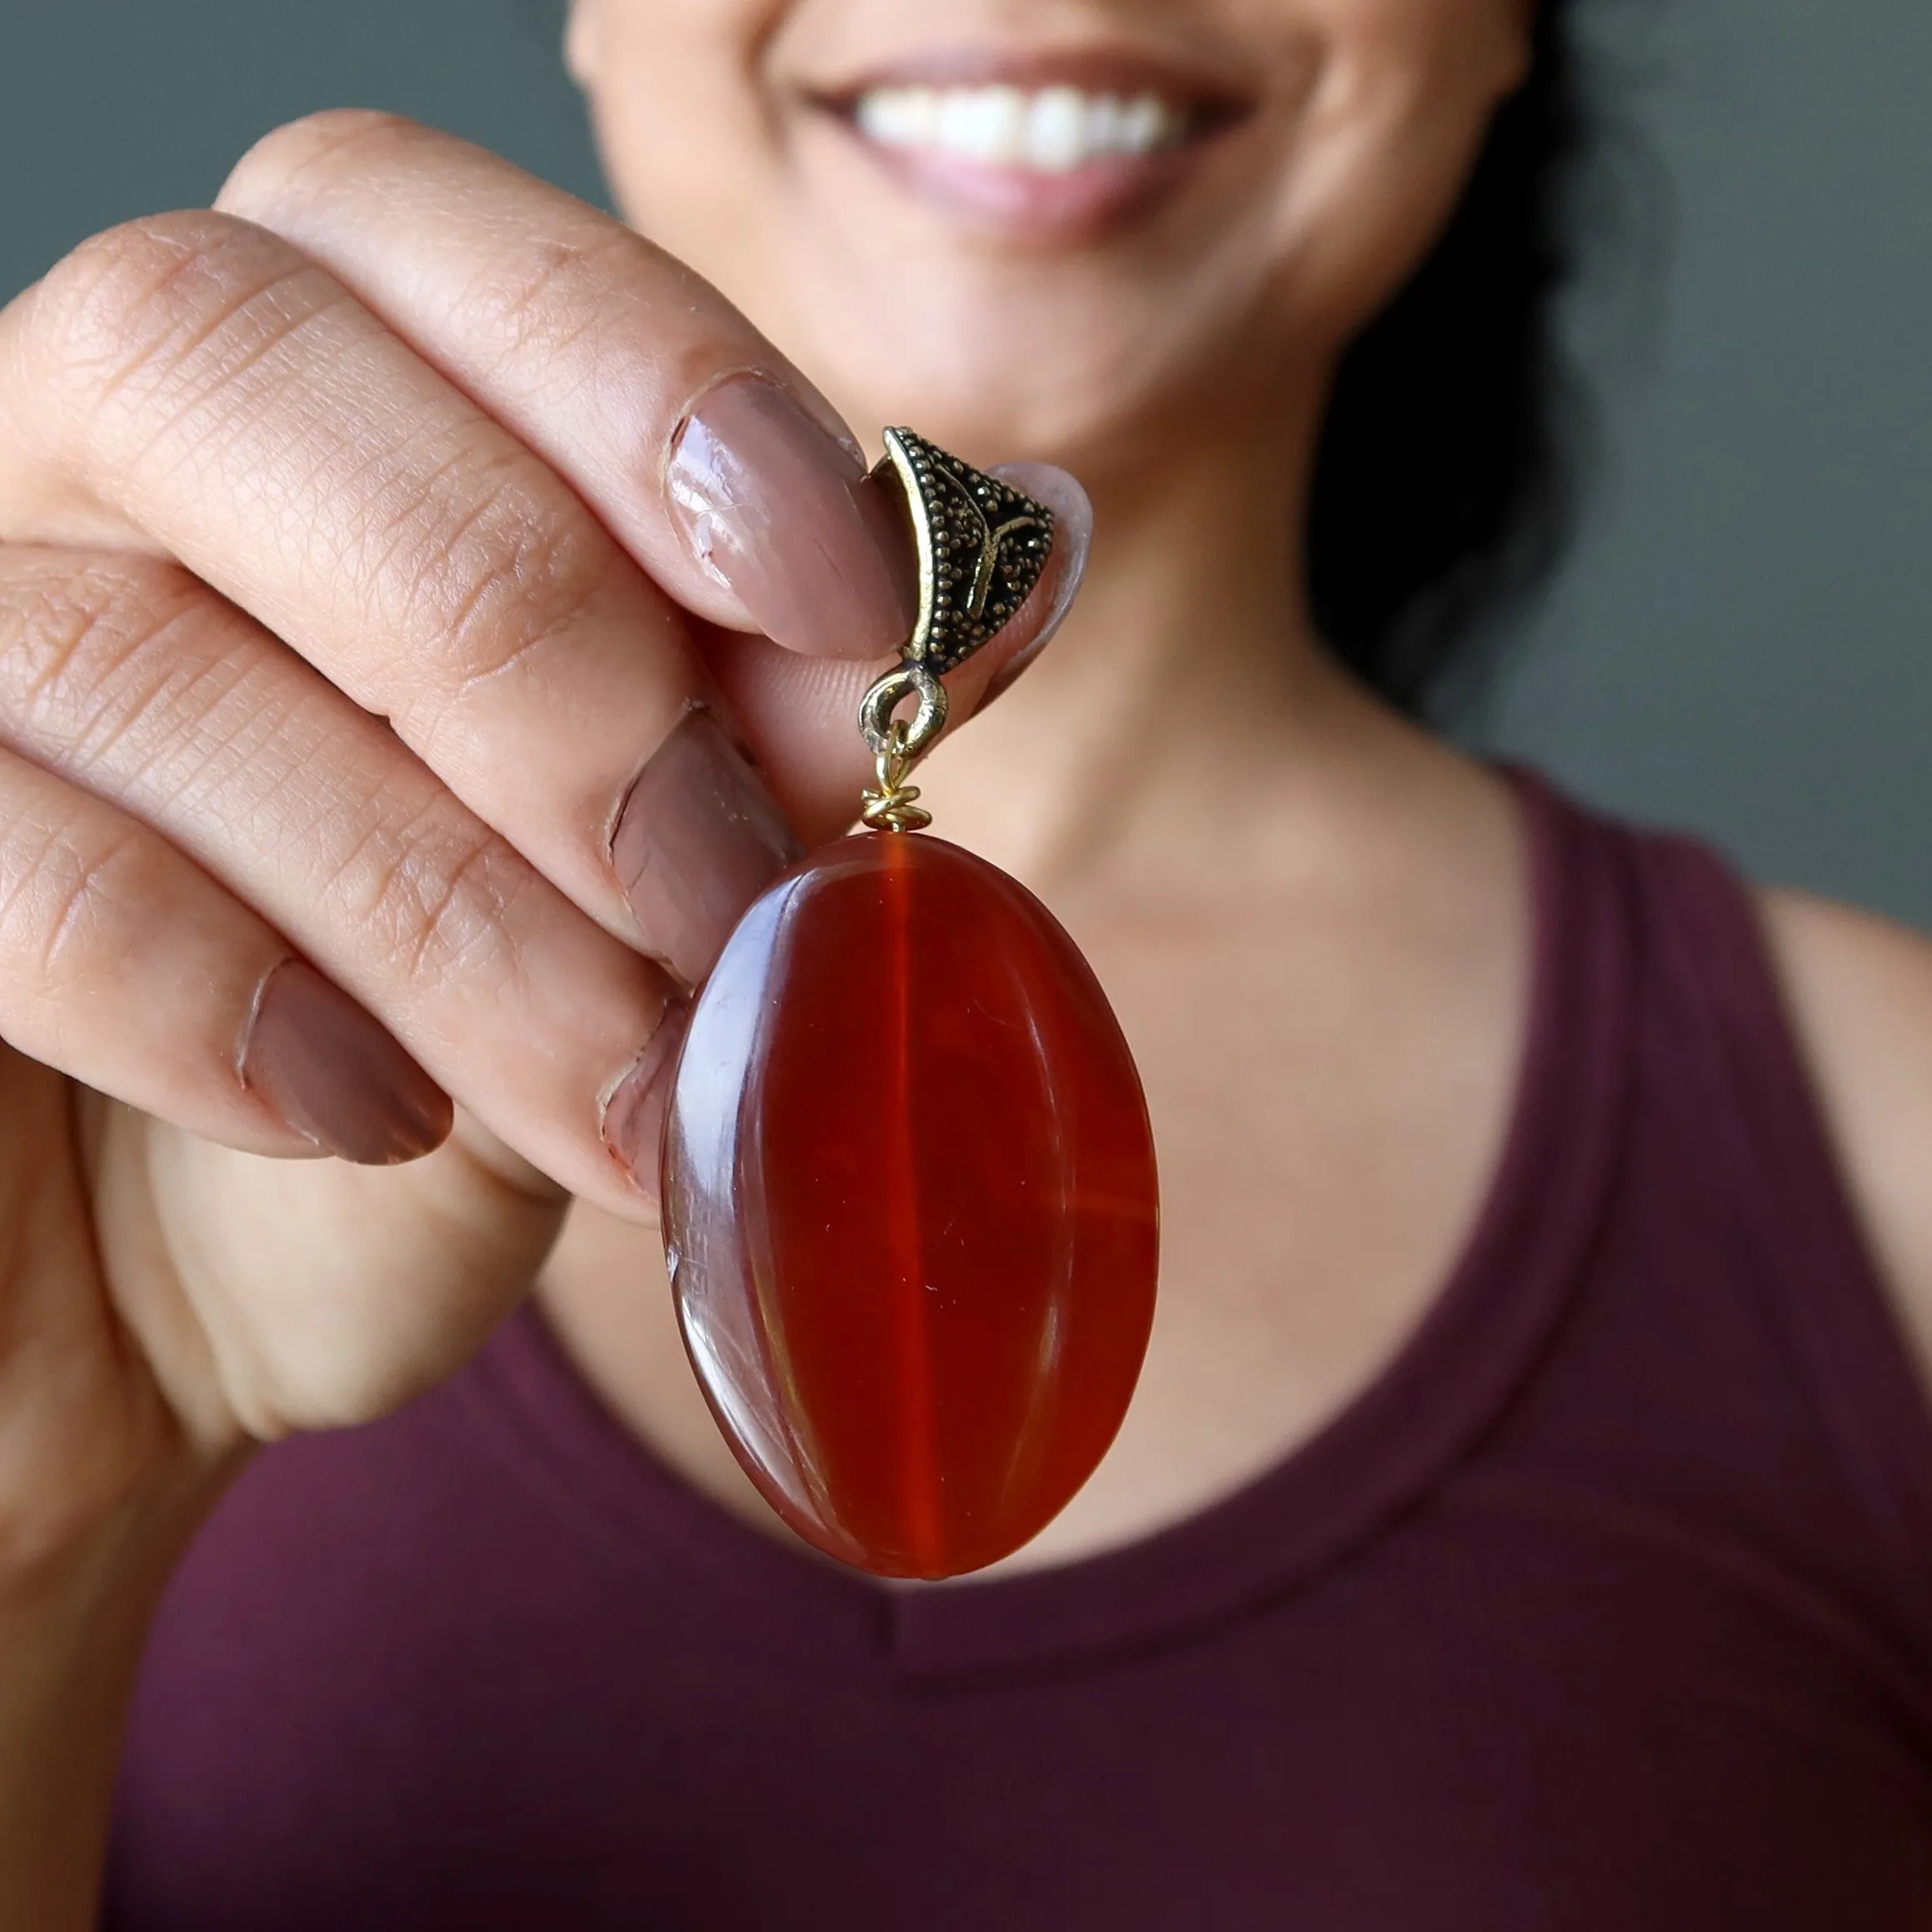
{"x": 1743, "y": 642}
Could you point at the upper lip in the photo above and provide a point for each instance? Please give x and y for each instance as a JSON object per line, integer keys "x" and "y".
{"x": 1204, "y": 92}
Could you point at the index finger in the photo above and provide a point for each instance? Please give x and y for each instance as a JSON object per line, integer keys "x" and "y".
{"x": 709, "y": 457}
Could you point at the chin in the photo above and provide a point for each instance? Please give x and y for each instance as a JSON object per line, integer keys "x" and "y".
{"x": 1095, "y": 373}
{"x": 1080, "y": 357}
{"x": 1003, "y": 394}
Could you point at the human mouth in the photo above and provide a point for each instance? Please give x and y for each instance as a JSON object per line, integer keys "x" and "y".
{"x": 1047, "y": 131}
{"x": 1045, "y": 149}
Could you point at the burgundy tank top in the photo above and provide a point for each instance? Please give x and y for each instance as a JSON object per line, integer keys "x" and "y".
{"x": 1606, "y": 1607}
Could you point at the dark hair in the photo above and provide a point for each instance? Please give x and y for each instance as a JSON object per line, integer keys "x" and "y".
{"x": 1444, "y": 478}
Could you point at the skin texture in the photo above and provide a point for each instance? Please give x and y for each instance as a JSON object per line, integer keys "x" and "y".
{"x": 342, "y": 605}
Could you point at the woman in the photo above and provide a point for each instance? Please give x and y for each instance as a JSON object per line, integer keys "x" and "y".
{"x": 433, "y": 613}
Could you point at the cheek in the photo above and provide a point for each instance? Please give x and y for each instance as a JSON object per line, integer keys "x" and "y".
{"x": 688, "y": 148}
{"x": 1393, "y": 126}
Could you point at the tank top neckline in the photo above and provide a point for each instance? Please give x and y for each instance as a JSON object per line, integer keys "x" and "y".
{"x": 1378, "y": 1456}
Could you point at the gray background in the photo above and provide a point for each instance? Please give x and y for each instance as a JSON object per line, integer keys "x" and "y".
{"x": 1743, "y": 640}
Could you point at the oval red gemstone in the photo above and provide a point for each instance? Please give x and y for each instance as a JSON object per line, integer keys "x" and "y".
{"x": 909, "y": 1206}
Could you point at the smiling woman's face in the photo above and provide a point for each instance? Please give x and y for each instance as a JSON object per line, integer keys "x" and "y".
{"x": 1064, "y": 228}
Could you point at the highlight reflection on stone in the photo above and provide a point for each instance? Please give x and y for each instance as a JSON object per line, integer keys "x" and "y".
{"x": 909, "y": 1206}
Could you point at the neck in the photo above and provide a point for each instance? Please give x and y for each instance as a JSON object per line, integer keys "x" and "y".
{"x": 1190, "y": 640}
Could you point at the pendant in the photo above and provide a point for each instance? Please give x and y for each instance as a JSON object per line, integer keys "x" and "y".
{"x": 909, "y": 1201}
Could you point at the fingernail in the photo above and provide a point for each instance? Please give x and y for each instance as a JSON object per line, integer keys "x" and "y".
{"x": 634, "y": 1115}
{"x": 330, "y": 1072}
{"x": 698, "y": 839}
{"x": 783, "y": 513}
{"x": 1073, "y": 538}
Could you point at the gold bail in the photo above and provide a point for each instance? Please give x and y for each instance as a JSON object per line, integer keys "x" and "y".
{"x": 981, "y": 544}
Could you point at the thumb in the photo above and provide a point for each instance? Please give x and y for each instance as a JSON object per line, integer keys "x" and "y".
{"x": 800, "y": 714}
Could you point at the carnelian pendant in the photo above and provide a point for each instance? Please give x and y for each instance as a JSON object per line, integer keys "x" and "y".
{"x": 909, "y": 1197}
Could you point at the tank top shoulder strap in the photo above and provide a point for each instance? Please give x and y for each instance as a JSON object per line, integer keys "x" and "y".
{"x": 1705, "y": 959}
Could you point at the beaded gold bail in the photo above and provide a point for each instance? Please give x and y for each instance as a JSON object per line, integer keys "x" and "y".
{"x": 981, "y": 546}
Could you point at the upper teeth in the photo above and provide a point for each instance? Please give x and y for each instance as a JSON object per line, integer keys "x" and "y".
{"x": 1051, "y": 130}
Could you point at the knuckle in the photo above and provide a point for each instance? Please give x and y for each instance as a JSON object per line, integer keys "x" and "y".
{"x": 287, "y": 159}
{"x": 549, "y": 293}
{"x": 158, "y": 311}
{"x": 497, "y": 569}
{"x": 126, "y": 285}
{"x": 71, "y": 903}
{"x": 87, "y": 645}
{"x": 591, "y": 303}
{"x": 435, "y": 897}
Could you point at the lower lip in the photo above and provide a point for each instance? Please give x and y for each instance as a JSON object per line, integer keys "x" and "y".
{"x": 1022, "y": 204}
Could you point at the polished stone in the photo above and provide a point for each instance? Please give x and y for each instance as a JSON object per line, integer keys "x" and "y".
{"x": 909, "y": 1206}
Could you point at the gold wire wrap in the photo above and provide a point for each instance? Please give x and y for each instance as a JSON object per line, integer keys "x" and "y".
{"x": 890, "y": 808}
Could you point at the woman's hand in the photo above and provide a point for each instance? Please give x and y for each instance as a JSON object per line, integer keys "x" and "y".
{"x": 393, "y": 563}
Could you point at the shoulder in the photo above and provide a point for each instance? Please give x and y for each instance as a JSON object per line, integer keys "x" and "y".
{"x": 1860, "y": 990}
